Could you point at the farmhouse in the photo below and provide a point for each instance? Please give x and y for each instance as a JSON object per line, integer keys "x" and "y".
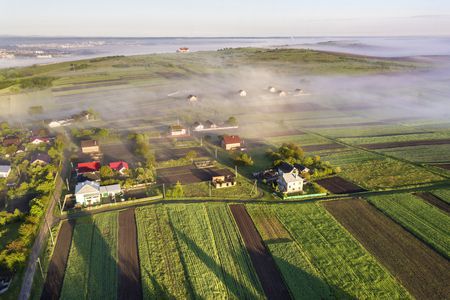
{"x": 87, "y": 193}
{"x": 192, "y": 98}
{"x": 242, "y": 93}
{"x": 299, "y": 92}
{"x": 119, "y": 166}
{"x": 289, "y": 180}
{"x": 176, "y": 130}
{"x": 36, "y": 140}
{"x": 40, "y": 159}
{"x": 223, "y": 179}
{"x": 110, "y": 190}
{"x": 230, "y": 142}
{"x": 88, "y": 167}
{"x": 5, "y": 170}
{"x": 183, "y": 50}
{"x": 272, "y": 89}
{"x": 281, "y": 93}
{"x": 197, "y": 126}
{"x": 210, "y": 124}
{"x": 90, "y": 146}
{"x": 11, "y": 140}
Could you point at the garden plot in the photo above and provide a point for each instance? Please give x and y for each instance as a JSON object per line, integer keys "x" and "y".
{"x": 338, "y": 185}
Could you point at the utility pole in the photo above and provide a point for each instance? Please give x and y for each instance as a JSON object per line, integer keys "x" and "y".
{"x": 58, "y": 201}
{"x": 215, "y": 152}
{"x": 38, "y": 261}
{"x": 164, "y": 191}
{"x": 201, "y": 141}
{"x": 235, "y": 171}
{"x": 51, "y": 233}
{"x": 67, "y": 183}
{"x": 209, "y": 185}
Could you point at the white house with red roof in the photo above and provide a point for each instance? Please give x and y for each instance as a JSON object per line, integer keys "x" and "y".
{"x": 119, "y": 166}
{"x": 230, "y": 142}
{"x": 36, "y": 140}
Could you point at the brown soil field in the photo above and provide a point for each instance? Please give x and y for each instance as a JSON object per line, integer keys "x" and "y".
{"x": 338, "y": 185}
{"x": 129, "y": 271}
{"x": 442, "y": 166}
{"x": 164, "y": 154}
{"x": 422, "y": 271}
{"x": 188, "y": 174}
{"x": 264, "y": 264}
{"x": 116, "y": 152}
{"x": 435, "y": 201}
{"x": 57, "y": 267}
{"x": 332, "y": 146}
{"x": 405, "y": 144}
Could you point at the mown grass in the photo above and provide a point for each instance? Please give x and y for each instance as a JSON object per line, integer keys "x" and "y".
{"x": 341, "y": 261}
{"x": 242, "y": 190}
{"x": 429, "y": 153}
{"x": 422, "y": 219}
{"x": 162, "y": 272}
{"x": 91, "y": 271}
{"x": 396, "y": 138}
{"x": 301, "y": 139}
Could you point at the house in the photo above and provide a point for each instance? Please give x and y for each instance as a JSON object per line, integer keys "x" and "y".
{"x": 11, "y": 140}
{"x": 89, "y": 146}
{"x": 5, "y": 170}
{"x": 87, "y": 193}
{"x": 40, "y": 132}
{"x": 225, "y": 180}
{"x": 198, "y": 126}
{"x": 176, "y": 130}
{"x": 272, "y": 89}
{"x": 192, "y": 98}
{"x": 210, "y": 124}
{"x": 110, "y": 190}
{"x": 299, "y": 92}
{"x": 36, "y": 140}
{"x": 88, "y": 167}
{"x": 119, "y": 166}
{"x": 183, "y": 50}
{"x": 289, "y": 180}
{"x": 301, "y": 168}
{"x": 242, "y": 93}
{"x": 230, "y": 142}
{"x": 40, "y": 159}
{"x": 282, "y": 93}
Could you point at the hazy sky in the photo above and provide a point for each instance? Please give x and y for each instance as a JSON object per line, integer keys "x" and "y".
{"x": 224, "y": 18}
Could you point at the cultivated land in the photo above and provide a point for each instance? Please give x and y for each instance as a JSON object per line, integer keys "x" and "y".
{"x": 179, "y": 250}
{"x": 420, "y": 269}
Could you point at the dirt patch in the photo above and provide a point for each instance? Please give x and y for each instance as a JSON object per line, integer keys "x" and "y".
{"x": 405, "y": 144}
{"x": 57, "y": 267}
{"x": 332, "y": 146}
{"x": 129, "y": 271}
{"x": 118, "y": 152}
{"x": 420, "y": 269}
{"x": 188, "y": 174}
{"x": 163, "y": 154}
{"x": 264, "y": 264}
{"x": 435, "y": 201}
{"x": 338, "y": 185}
{"x": 442, "y": 166}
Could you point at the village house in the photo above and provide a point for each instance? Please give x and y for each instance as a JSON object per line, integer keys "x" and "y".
{"x": 40, "y": 159}
{"x": 11, "y": 140}
{"x": 36, "y": 140}
{"x": 5, "y": 170}
{"x": 272, "y": 89}
{"x": 282, "y": 93}
{"x": 197, "y": 126}
{"x": 299, "y": 92}
{"x": 210, "y": 124}
{"x": 183, "y": 50}
{"x": 89, "y": 146}
{"x": 301, "y": 168}
{"x": 231, "y": 142}
{"x": 119, "y": 166}
{"x": 177, "y": 130}
{"x": 223, "y": 179}
{"x": 242, "y": 93}
{"x": 192, "y": 98}
{"x": 87, "y": 193}
{"x": 110, "y": 190}
{"x": 289, "y": 179}
{"x": 88, "y": 167}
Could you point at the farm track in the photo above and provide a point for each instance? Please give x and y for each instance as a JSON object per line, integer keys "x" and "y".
{"x": 58, "y": 262}
{"x": 338, "y": 185}
{"x": 128, "y": 257}
{"x": 420, "y": 269}
{"x": 264, "y": 264}
{"x": 390, "y": 145}
{"x": 435, "y": 201}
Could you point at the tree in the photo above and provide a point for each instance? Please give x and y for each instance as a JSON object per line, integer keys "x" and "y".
{"x": 191, "y": 155}
{"x": 106, "y": 172}
{"x": 176, "y": 191}
{"x": 232, "y": 121}
{"x": 243, "y": 159}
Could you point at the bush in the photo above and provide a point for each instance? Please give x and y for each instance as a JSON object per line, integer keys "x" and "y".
{"x": 37, "y": 82}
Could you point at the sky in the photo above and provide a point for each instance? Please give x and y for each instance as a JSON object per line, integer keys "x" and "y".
{"x": 224, "y": 18}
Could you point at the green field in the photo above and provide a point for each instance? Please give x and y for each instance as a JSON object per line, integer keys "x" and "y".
{"x": 397, "y": 138}
{"x": 91, "y": 271}
{"x": 422, "y": 219}
{"x": 443, "y": 194}
{"x": 302, "y": 139}
{"x": 424, "y": 154}
{"x": 339, "y": 259}
{"x": 364, "y": 131}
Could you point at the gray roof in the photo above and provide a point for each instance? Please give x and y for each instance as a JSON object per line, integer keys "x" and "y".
{"x": 87, "y": 187}
{"x": 112, "y": 188}
{"x": 5, "y": 168}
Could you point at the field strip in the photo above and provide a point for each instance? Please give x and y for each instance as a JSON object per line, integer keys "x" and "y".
{"x": 421, "y": 270}
{"x": 128, "y": 256}
{"x": 264, "y": 264}
{"x": 57, "y": 267}
{"x": 435, "y": 201}
{"x": 389, "y": 145}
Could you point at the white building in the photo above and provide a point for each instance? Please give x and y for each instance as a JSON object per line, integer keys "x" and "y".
{"x": 5, "y": 170}
{"x": 272, "y": 89}
{"x": 281, "y": 93}
{"x": 176, "y": 130}
{"x": 242, "y": 93}
{"x": 198, "y": 126}
{"x": 192, "y": 98}
{"x": 289, "y": 179}
{"x": 87, "y": 193}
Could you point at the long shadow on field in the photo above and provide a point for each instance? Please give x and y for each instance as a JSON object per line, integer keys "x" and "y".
{"x": 213, "y": 266}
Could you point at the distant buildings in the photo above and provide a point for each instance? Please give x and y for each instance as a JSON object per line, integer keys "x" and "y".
{"x": 11, "y": 140}
{"x": 35, "y": 140}
{"x": 282, "y": 93}
{"x": 183, "y": 50}
{"x": 272, "y": 89}
{"x": 192, "y": 98}
{"x": 242, "y": 93}
{"x": 231, "y": 142}
{"x": 40, "y": 159}
{"x": 89, "y": 146}
{"x": 177, "y": 130}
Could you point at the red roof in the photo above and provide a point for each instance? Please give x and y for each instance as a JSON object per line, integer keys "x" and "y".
{"x": 42, "y": 139}
{"x": 118, "y": 165}
{"x": 88, "y": 167}
{"x": 231, "y": 139}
